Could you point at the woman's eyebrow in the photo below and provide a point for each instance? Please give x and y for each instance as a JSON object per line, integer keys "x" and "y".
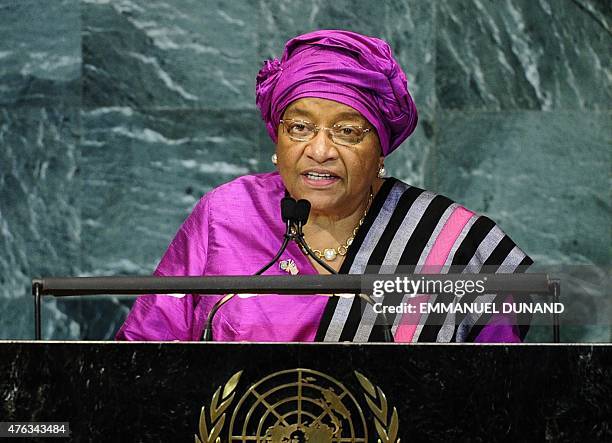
{"x": 299, "y": 111}
{"x": 339, "y": 116}
{"x": 350, "y": 115}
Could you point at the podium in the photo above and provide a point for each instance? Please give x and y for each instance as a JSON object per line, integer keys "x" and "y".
{"x": 315, "y": 392}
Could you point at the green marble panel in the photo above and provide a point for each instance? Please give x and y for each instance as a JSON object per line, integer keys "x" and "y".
{"x": 523, "y": 54}
{"x": 285, "y": 19}
{"x": 543, "y": 176}
{"x": 40, "y": 52}
{"x": 411, "y": 33}
{"x": 184, "y": 54}
{"x": 39, "y": 208}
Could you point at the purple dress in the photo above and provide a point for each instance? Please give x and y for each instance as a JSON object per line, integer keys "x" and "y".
{"x": 234, "y": 230}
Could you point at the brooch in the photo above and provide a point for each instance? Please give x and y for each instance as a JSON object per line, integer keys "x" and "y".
{"x": 289, "y": 267}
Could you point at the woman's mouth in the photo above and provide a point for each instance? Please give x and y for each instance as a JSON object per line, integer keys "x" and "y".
{"x": 319, "y": 179}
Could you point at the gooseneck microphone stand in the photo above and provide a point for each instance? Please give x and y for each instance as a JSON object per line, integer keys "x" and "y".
{"x": 288, "y": 216}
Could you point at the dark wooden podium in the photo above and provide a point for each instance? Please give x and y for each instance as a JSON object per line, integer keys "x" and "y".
{"x": 173, "y": 392}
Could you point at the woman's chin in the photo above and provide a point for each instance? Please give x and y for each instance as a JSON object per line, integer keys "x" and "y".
{"x": 324, "y": 207}
{"x": 319, "y": 196}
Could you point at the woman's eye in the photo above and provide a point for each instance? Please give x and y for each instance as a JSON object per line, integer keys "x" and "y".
{"x": 298, "y": 127}
{"x": 348, "y": 131}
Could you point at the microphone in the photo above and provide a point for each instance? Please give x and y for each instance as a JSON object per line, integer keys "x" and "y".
{"x": 288, "y": 207}
{"x": 302, "y": 211}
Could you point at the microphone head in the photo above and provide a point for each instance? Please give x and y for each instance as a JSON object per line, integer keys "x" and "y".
{"x": 302, "y": 210}
{"x": 288, "y": 209}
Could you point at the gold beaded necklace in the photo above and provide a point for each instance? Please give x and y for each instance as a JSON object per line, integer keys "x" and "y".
{"x": 330, "y": 254}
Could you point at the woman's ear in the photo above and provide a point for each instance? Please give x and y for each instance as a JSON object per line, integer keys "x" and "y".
{"x": 382, "y": 172}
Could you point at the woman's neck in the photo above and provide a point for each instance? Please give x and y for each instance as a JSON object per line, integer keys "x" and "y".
{"x": 325, "y": 231}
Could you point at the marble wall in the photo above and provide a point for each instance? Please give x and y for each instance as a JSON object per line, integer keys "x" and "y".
{"x": 117, "y": 115}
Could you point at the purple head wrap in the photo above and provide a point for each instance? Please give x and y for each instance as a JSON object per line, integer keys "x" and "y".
{"x": 346, "y": 67}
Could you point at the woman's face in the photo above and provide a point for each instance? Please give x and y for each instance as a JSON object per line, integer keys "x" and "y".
{"x": 349, "y": 171}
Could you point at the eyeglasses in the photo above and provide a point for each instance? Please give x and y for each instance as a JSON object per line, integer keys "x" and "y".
{"x": 341, "y": 134}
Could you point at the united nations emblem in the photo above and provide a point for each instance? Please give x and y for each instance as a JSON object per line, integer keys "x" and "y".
{"x": 297, "y": 406}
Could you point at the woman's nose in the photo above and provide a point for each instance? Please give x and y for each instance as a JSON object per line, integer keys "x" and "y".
{"x": 321, "y": 148}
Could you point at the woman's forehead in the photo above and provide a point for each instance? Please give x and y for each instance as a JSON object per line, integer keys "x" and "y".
{"x": 322, "y": 108}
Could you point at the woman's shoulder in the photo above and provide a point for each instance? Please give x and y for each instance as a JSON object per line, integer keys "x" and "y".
{"x": 244, "y": 192}
{"x": 253, "y": 182}
{"x": 244, "y": 188}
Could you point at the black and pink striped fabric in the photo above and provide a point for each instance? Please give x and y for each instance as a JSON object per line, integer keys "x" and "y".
{"x": 410, "y": 230}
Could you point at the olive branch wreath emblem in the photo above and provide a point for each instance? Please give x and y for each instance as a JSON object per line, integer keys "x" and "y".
{"x": 217, "y": 411}
{"x": 387, "y": 426}
{"x": 377, "y": 402}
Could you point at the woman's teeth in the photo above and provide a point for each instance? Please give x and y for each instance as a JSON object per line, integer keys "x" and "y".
{"x": 318, "y": 176}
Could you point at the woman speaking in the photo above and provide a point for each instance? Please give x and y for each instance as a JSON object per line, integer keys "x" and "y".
{"x": 335, "y": 105}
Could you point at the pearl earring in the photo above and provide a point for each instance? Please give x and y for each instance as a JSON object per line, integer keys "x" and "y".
{"x": 274, "y": 159}
{"x": 382, "y": 171}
